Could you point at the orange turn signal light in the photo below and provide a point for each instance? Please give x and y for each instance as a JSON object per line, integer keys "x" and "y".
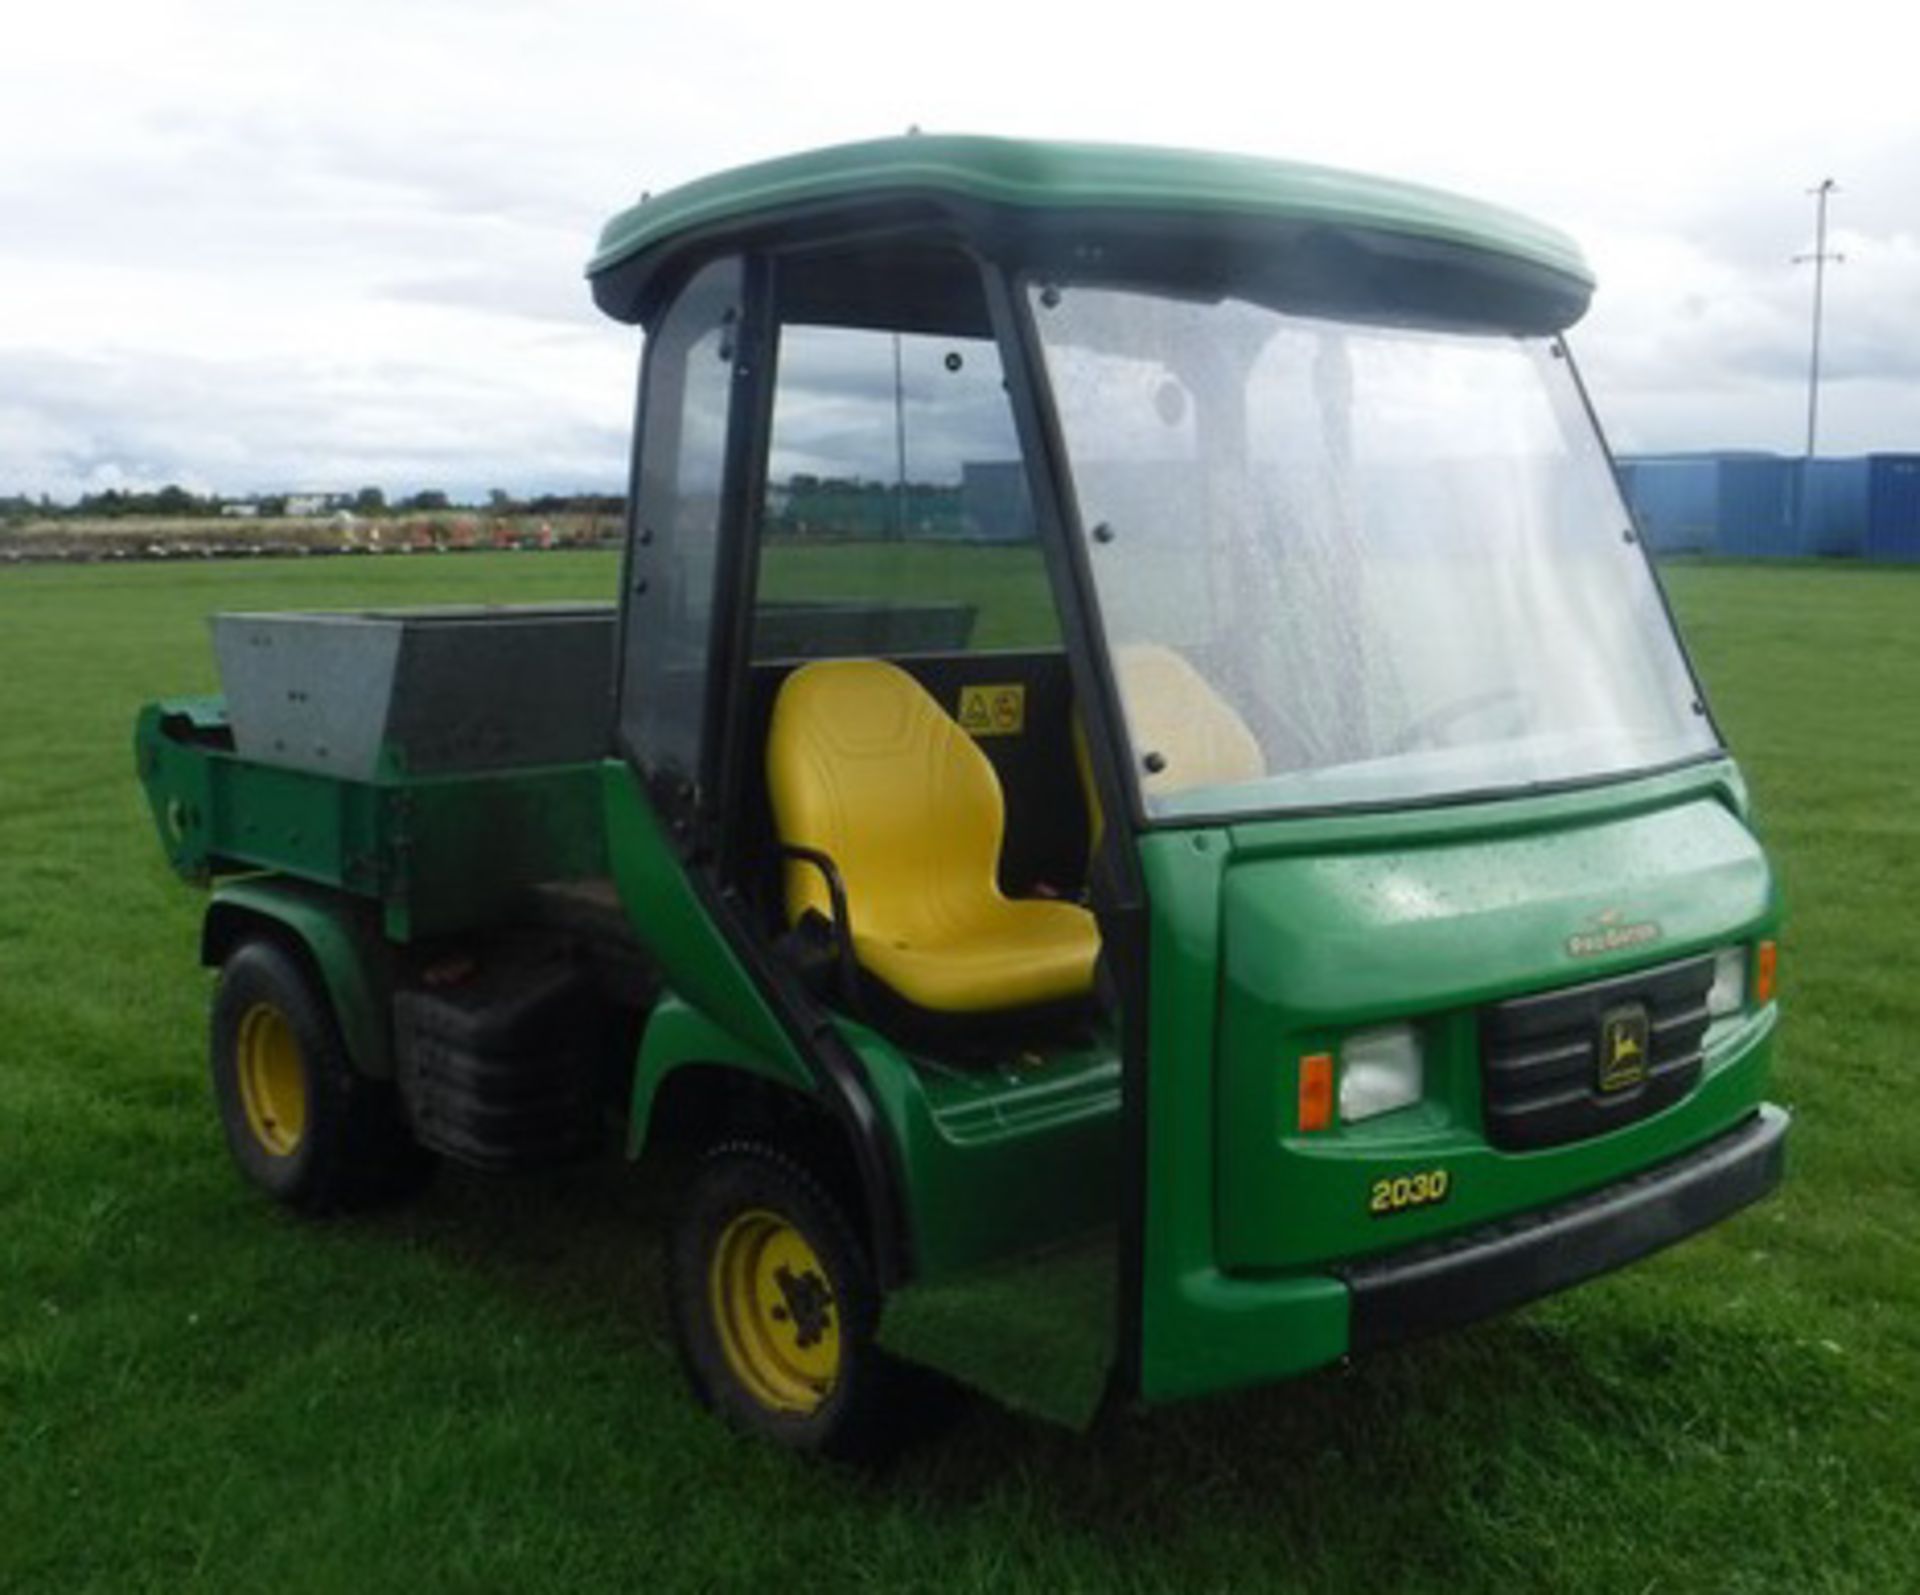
{"x": 1766, "y": 964}
{"x": 1316, "y": 1091}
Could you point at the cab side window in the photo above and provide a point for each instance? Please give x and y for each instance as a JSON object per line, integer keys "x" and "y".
{"x": 896, "y": 519}
{"x": 686, "y": 412}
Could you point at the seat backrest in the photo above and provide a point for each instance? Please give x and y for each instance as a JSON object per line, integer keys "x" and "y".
{"x": 1174, "y": 711}
{"x": 863, "y": 765}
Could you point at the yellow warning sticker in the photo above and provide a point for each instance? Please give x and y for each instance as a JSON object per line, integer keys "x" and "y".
{"x": 994, "y": 711}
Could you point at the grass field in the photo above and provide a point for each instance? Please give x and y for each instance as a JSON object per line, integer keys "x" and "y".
{"x": 197, "y": 1393}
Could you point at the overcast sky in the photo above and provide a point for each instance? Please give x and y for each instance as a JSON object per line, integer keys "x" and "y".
{"x": 278, "y": 245}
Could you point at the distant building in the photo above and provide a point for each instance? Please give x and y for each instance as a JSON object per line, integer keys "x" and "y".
{"x": 316, "y": 503}
{"x": 997, "y": 508}
{"x": 240, "y": 509}
{"x": 1770, "y": 506}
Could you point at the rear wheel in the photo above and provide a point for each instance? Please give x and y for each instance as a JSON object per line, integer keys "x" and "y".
{"x": 775, "y": 1306}
{"x": 301, "y": 1123}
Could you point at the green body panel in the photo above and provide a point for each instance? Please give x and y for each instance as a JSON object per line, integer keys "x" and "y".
{"x": 666, "y": 913}
{"x": 1199, "y": 1329}
{"x": 1276, "y": 938}
{"x": 1001, "y": 1162}
{"x": 1038, "y": 177}
{"x": 995, "y": 1163}
{"x": 1317, "y": 945}
{"x": 679, "y": 1035}
{"x": 343, "y": 938}
{"x": 466, "y": 847}
{"x": 438, "y": 853}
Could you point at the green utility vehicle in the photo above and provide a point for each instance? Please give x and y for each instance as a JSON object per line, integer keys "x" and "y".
{"x": 1140, "y": 806}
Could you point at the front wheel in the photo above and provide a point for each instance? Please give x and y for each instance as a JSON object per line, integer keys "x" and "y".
{"x": 300, "y": 1121}
{"x": 775, "y": 1307}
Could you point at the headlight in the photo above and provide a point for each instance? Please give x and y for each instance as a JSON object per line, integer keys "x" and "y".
{"x": 1380, "y": 1070}
{"x": 1728, "y": 994}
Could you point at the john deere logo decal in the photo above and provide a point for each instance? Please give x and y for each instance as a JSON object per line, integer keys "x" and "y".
{"x": 1609, "y": 932}
{"x": 1623, "y": 1048}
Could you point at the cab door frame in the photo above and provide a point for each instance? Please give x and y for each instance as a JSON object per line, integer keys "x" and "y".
{"x": 1117, "y": 886}
{"x": 689, "y": 797}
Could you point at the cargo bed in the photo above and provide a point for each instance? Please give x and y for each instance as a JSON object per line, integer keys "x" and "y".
{"x": 439, "y": 762}
{"x": 438, "y": 853}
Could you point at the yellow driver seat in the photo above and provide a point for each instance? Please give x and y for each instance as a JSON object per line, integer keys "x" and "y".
{"x": 864, "y": 766}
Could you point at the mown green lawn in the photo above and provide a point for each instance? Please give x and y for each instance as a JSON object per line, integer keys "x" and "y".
{"x": 196, "y": 1392}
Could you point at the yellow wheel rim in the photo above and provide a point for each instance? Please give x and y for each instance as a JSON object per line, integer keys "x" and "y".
{"x": 775, "y": 1311}
{"x": 273, "y": 1080}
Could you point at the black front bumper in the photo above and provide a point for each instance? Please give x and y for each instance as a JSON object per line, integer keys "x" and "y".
{"x": 1471, "y": 1276}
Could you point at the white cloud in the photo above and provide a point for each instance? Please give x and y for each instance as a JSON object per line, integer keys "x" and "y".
{"x": 246, "y": 245}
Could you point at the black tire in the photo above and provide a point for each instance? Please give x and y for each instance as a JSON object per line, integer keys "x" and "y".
{"x": 850, "y": 1417}
{"x": 300, "y": 1121}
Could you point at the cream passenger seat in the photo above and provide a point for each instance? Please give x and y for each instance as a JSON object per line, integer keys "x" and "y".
{"x": 1173, "y": 710}
{"x": 865, "y": 767}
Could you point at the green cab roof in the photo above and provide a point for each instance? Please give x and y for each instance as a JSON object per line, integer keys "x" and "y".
{"x": 967, "y": 172}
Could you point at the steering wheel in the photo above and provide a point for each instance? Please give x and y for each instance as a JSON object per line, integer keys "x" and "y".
{"x": 1423, "y": 732}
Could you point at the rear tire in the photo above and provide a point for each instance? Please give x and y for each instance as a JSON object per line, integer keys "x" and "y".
{"x": 775, "y": 1307}
{"x": 300, "y": 1121}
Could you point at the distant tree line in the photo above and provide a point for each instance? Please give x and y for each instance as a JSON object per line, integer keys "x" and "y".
{"x": 116, "y": 503}
{"x": 18, "y": 507}
{"x": 174, "y": 502}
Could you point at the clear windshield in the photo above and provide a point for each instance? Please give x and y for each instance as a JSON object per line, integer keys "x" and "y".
{"x": 1353, "y": 564}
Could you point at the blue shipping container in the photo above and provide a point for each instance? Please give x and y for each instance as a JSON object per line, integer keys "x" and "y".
{"x": 1675, "y": 502}
{"x": 1833, "y": 507}
{"x": 1760, "y": 509}
{"x": 1759, "y": 506}
{"x": 1893, "y": 514}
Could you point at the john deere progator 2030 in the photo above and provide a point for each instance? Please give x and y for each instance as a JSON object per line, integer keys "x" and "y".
{"x": 1140, "y": 799}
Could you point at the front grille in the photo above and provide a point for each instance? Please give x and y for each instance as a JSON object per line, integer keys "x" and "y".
{"x": 1540, "y": 1055}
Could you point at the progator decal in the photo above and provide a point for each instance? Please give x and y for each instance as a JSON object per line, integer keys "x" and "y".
{"x": 1610, "y": 932}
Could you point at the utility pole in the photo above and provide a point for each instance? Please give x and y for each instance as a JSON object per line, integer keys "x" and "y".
{"x": 1819, "y": 257}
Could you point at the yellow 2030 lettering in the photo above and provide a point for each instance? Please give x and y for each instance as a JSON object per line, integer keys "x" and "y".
{"x": 1402, "y": 1191}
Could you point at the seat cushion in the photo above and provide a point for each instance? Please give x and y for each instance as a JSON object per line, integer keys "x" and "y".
{"x": 1021, "y": 953}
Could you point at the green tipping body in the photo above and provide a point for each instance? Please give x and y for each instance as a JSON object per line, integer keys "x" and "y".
{"x": 438, "y": 853}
